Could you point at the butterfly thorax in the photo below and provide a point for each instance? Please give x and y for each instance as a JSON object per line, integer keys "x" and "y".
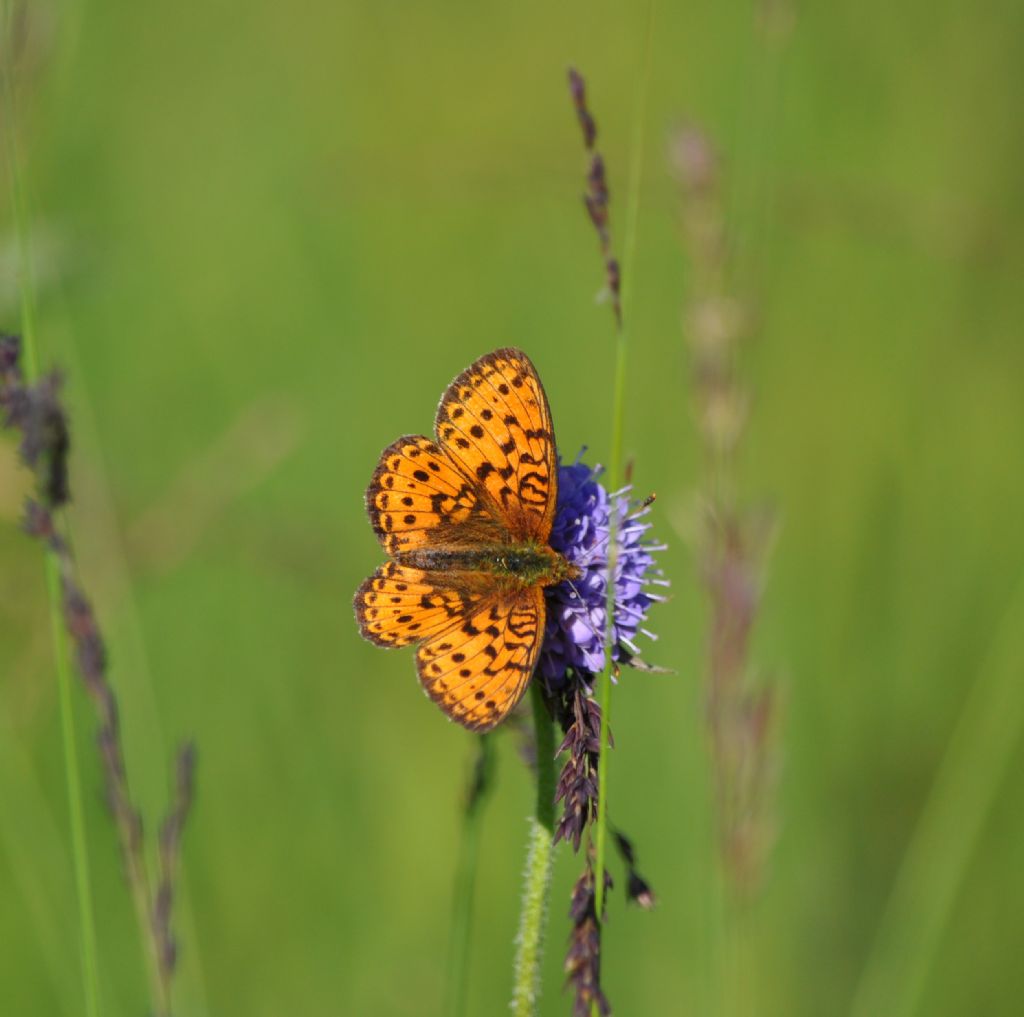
{"x": 521, "y": 564}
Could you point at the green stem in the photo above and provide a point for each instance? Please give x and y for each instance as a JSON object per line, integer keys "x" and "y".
{"x": 465, "y": 880}
{"x": 73, "y": 780}
{"x": 615, "y": 463}
{"x": 533, "y": 916}
{"x": 76, "y": 812}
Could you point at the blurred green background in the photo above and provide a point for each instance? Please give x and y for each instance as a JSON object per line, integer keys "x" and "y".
{"x": 267, "y": 237}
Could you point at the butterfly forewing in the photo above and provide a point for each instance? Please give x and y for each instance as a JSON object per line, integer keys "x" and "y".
{"x": 418, "y": 498}
{"x": 495, "y": 424}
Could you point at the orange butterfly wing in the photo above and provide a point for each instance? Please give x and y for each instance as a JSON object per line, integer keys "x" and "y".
{"x": 398, "y": 605}
{"x": 478, "y": 671}
{"x": 419, "y": 498}
{"x": 478, "y": 645}
{"x": 495, "y": 424}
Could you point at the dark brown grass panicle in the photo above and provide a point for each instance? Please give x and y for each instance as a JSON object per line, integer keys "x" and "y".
{"x": 170, "y": 856}
{"x": 732, "y": 540}
{"x": 36, "y": 412}
{"x": 38, "y": 415}
{"x": 577, "y": 785}
{"x": 583, "y": 961}
{"x": 638, "y": 890}
{"x": 597, "y": 196}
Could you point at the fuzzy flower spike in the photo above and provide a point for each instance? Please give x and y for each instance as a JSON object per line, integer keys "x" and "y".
{"x": 574, "y": 639}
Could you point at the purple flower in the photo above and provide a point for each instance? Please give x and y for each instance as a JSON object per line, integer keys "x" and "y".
{"x": 577, "y": 609}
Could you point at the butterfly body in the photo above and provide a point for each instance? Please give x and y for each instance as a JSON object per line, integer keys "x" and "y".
{"x": 466, "y": 519}
{"x": 518, "y": 565}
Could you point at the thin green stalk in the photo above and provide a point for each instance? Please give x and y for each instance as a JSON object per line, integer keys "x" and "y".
{"x": 32, "y": 843}
{"x": 540, "y": 844}
{"x": 615, "y": 462}
{"x": 933, "y": 867}
{"x": 76, "y": 812}
{"x": 465, "y": 880}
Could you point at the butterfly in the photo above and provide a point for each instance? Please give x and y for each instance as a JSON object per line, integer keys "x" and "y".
{"x": 466, "y": 519}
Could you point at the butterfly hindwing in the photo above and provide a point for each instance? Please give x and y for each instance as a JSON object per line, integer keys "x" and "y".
{"x": 397, "y": 605}
{"x": 495, "y": 424}
{"x": 478, "y": 670}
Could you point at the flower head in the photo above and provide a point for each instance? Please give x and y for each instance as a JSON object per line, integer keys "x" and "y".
{"x": 574, "y": 639}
